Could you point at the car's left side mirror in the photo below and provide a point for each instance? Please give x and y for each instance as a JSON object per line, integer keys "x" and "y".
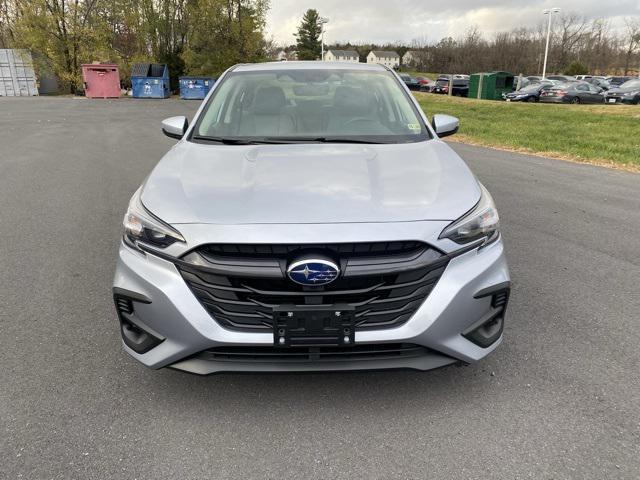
{"x": 175, "y": 127}
{"x": 445, "y": 125}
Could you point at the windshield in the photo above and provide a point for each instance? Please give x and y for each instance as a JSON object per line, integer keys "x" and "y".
{"x": 310, "y": 105}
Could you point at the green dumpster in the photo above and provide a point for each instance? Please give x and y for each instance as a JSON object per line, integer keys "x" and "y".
{"x": 490, "y": 85}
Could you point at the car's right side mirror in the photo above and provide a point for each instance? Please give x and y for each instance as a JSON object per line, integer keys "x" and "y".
{"x": 175, "y": 127}
{"x": 445, "y": 125}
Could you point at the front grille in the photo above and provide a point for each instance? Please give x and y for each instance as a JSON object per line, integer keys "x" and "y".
{"x": 384, "y": 282}
{"x": 314, "y": 354}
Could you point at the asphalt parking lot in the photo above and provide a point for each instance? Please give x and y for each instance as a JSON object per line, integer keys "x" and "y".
{"x": 560, "y": 399}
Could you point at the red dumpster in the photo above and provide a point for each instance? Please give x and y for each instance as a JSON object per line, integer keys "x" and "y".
{"x": 101, "y": 80}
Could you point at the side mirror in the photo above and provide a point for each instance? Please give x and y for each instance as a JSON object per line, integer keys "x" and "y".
{"x": 175, "y": 127}
{"x": 445, "y": 125}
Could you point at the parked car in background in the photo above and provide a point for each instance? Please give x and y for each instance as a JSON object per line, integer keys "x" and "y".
{"x": 409, "y": 81}
{"x": 599, "y": 82}
{"x": 628, "y": 92}
{"x": 617, "y": 81}
{"x": 530, "y": 93}
{"x": 460, "y": 86}
{"x": 426, "y": 84}
{"x": 533, "y": 78}
{"x": 562, "y": 78}
{"x": 576, "y": 92}
{"x": 524, "y": 82}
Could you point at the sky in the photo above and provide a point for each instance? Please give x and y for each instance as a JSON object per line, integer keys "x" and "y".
{"x": 381, "y": 21}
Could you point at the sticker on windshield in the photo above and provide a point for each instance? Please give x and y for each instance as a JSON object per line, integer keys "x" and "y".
{"x": 414, "y": 126}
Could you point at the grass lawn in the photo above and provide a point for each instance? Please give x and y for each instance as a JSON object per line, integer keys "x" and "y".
{"x": 604, "y": 134}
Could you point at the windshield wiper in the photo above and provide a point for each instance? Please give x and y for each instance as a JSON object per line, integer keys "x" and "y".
{"x": 236, "y": 141}
{"x": 323, "y": 140}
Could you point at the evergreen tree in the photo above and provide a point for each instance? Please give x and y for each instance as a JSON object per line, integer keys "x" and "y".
{"x": 308, "y": 36}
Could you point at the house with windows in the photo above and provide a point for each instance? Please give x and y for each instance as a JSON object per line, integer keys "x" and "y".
{"x": 342, "y": 56}
{"x": 386, "y": 58}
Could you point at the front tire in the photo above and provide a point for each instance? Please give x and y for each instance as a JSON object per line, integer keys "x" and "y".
{"x": 574, "y": 101}
{"x": 532, "y": 99}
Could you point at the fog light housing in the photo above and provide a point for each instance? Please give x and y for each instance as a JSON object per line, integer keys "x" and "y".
{"x": 135, "y": 335}
{"x": 486, "y": 331}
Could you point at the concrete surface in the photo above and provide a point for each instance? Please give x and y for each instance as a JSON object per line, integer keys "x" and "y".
{"x": 559, "y": 400}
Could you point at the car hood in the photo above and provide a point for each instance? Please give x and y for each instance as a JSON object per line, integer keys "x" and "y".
{"x": 309, "y": 183}
{"x": 623, "y": 90}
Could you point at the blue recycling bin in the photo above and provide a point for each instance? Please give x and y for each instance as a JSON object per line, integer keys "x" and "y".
{"x": 195, "y": 88}
{"x": 150, "y": 80}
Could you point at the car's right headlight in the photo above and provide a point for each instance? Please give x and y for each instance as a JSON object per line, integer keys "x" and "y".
{"x": 482, "y": 222}
{"x": 141, "y": 226}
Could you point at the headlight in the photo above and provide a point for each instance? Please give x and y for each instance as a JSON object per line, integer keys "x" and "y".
{"x": 141, "y": 226}
{"x": 480, "y": 223}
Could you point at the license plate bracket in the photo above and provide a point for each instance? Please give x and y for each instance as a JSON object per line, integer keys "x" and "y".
{"x": 313, "y": 326}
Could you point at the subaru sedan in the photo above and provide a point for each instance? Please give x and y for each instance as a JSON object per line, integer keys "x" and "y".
{"x": 310, "y": 218}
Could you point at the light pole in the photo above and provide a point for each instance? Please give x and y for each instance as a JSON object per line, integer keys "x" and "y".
{"x": 323, "y": 21}
{"x": 549, "y": 12}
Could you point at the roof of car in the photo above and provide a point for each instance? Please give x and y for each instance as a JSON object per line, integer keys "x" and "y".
{"x": 306, "y": 65}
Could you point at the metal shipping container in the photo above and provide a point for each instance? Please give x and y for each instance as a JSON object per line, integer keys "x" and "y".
{"x": 17, "y": 77}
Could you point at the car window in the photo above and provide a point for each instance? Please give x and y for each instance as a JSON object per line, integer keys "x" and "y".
{"x": 582, "y": 87}
{"x": 308, "y": 104}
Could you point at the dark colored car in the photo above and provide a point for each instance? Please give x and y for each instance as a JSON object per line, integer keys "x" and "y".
{"x": 562, "y": 78}
{"x": 599, "y": 82}
{"x": 409, "y": 81}
{"x": 460, "y": 87}
{"x": 530, "y": 93}
{"x": 577, "y": 92}
{"x": 617, "y": 81}
{"x": 628, "y": 92}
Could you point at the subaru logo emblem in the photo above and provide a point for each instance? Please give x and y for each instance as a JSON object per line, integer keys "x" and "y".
{"x": 313, "y": 272}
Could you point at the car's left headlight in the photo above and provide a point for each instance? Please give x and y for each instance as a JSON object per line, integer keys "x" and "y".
{"x": 482, "y": 222}
{"x": 141, "y": 226}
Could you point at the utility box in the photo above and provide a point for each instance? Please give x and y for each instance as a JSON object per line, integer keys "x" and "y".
{"x": 150, "y": 80}
{"x": 17, "y": 77}
{"x": 195, "y": 88}
{"x": 101, "y": 80}
{"x": 490, "y": 85}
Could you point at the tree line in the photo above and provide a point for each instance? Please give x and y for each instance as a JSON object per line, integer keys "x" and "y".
{"x": 204, "y": 37}
{"x": 578, "y": 46}
{"x": 195, "y": 37}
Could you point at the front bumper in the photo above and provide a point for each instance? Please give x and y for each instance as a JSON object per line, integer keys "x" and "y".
{"x": 164, "y": 306}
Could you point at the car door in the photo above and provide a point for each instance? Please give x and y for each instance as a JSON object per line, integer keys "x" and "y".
{"x": 596, "y": 94}
{"x": 582, "y": 92}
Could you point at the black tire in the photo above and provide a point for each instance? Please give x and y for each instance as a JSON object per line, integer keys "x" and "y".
{"x": 574, "y": 101}
{"x": 532, "y": 99}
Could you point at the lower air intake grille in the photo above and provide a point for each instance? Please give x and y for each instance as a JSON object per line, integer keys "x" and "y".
{"x": 384, "y": 282}
{"x": 317, "y": 354}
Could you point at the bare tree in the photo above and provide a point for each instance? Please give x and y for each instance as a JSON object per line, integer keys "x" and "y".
{"x": 633, "y": 41}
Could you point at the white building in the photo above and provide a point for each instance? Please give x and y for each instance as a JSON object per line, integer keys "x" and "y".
{"x": 341, "y": 56}
{"x": 388, "y": 59}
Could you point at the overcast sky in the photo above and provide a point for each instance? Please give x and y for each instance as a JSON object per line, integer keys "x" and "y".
{"x": 404, "y": 20}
